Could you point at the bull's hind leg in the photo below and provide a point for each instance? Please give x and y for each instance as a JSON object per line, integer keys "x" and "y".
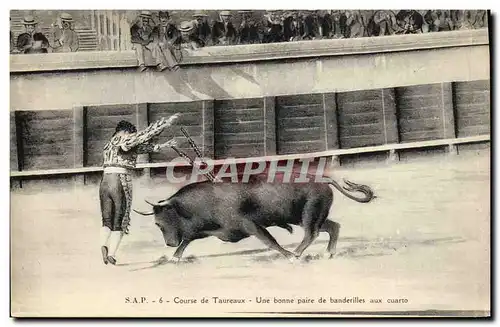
{"x": 332, "y": 228}
{"x": 314, "y": 214}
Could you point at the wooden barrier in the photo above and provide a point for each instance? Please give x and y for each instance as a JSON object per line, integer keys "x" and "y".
{"x": 270, "y": 128}
{"x": 388, "y": 148}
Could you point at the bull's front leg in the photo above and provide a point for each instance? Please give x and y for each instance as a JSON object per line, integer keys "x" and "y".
{"x": 180, "y": 250}
{"x": 262, "y": 234}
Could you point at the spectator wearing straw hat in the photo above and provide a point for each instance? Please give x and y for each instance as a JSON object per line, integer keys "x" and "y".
{"x": 223, "y": 31}
{"x": 202, "y": 28}
{"x": 188, "y": 39}
{"x": 142, "y": 38}
{"x": 250, "y": 32}
{"x": 31, "y": 41}
{"x": 65, "y": 37}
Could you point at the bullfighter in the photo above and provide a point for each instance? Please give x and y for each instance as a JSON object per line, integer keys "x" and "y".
{"x": 115, "y": 190}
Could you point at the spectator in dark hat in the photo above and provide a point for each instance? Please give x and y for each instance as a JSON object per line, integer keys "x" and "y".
{"x": 338, "y": 24}
{"x": 409, "y": 22}
{"x": 32, "y": 41}
{"x": 223, "y": 31}
{"x": 164, "y": 34}
{"x": 293, "y": 27}
{"x": 311, "y": 25}
{"x": 143, "y": 38}
{"x": 250, "y": 31}
{"x": 274, "y": 27}
{"x": 65, "y": 37}
{"x": 202, "y": 28}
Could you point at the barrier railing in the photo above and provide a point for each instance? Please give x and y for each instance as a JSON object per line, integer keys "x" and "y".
{"x": 391, "y": 149}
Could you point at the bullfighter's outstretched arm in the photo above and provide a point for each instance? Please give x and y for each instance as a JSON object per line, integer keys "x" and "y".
{"x": 151, "y": 147}
{"x": 144, "y": 136}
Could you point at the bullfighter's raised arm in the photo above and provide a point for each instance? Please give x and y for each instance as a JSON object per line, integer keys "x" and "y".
{"x": 151, "y": 147}
{"x": 133, "y": 140}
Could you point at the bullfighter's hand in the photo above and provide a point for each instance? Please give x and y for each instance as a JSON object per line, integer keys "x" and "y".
{"x": 173, "y": 118}
{"x": 170, "y": 143}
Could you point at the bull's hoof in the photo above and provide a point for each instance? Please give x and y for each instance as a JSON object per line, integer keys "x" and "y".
{"x": 112, "y": 260}
{"x": 104, "y": 252}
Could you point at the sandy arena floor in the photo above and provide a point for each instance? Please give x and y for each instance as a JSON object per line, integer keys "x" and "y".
{"x": 426, "y": 239}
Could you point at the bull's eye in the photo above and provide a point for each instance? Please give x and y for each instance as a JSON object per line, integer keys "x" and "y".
{"x": 159, "y": 226}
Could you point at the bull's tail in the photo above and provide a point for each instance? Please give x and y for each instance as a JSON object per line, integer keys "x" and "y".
{"x": 353, "y": 187}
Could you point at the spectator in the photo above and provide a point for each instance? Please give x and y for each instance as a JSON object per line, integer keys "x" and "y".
{"x": 65, "y": 38}
{"x": 311, "y": 26}
{"x": 250, "y": 32}
{"x": 472, "y": 19}
{"x": 223, "y": 31}
{"x": 326, "y": 25}
{"x": 12, "y": 43}
{"x": 142, "y": 38}
{"x": 355, "y": 25}
{"x": 164, "y": 35}
{"x": 293, "y": 27}
{"x": 383, "y": 23}
{"x": 31, "y": 41}
{"x": 274, "y": 30}
{"x": 409, "y": 22}
{"x": 202, "y": 28}
{"x": 441, "y": 21}
{"x": 187, "y": 40}
{"x": 338, "y": 24}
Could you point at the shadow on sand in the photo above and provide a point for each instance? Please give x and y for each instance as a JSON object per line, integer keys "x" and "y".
{"x": 357, "y": 248}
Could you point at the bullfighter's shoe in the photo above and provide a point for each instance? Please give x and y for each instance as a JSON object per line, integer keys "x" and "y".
{"x": 142, "y": 68}
{"x": 112, "y": 260}
{"x": 104, "y": 251}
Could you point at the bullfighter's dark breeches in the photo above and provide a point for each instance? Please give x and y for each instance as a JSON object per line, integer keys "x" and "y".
{"x": 115, "y": 193}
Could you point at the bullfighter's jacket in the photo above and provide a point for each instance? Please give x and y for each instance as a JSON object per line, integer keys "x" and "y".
{"x": 122, "y": 151}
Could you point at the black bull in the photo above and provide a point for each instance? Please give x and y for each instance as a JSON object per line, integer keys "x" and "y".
{"x": 234, "y": 211}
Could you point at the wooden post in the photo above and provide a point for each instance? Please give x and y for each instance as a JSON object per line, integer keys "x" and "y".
{"x": 142, "y": 122}
{"x": 330, "y": 121}
{"x": 449, "y": 130}
{"x": 269, "y": 126}
{"x": 208, "y": 130}
{"x": 14, "y": 149}
{"x": 79, "y": 142}
{"x": 390, "y": 121}
{"x": 331, "y": 126}
{"x": 14, "y": 161}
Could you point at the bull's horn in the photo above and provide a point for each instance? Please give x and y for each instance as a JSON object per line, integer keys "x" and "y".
{"x": 163, "y": 203}
{"x": 144, "y": 213}
{"x": 150, "y": 203}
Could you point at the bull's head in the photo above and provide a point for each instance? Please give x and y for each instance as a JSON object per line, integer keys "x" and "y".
{"x": 169, "y": 217}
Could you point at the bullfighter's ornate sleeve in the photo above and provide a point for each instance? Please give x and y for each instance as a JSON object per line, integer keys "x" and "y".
{"x": 144, "y": 136}
{"x": 147, "y": 148}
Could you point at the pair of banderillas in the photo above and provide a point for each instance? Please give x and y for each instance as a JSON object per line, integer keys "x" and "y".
{"x": 193, "y": 145}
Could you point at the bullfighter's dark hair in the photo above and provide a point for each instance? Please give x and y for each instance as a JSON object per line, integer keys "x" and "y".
{"x": 126, "y": 127}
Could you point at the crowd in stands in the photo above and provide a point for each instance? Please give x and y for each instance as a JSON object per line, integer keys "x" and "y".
{"x": 159, "y": 32}
{"x": 32, "y": 41}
